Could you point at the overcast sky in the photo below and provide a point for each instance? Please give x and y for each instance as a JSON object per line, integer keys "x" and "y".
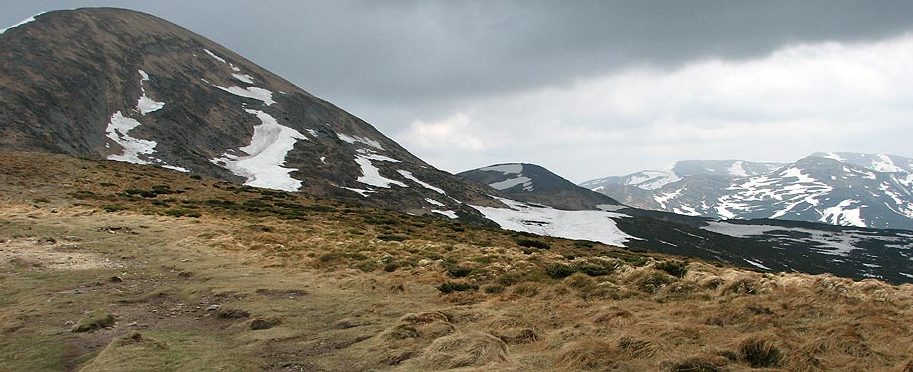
{"x": 585, "y": 88}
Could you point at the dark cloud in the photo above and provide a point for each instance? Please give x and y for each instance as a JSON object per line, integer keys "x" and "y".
{"x": 392, "y": 62}
{"x": 404, "y": 51}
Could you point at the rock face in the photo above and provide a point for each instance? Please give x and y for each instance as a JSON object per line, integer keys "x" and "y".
{"x": 127, "y": 86}
{"x": 848, "y": 189}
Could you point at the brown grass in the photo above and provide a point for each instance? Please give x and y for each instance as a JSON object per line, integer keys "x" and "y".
{"x": 319, "y": 278}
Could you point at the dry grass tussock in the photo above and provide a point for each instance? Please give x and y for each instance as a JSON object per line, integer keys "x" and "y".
{"x": 334, "y": 291}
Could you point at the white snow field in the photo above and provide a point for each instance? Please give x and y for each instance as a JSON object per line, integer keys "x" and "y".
{"x": 586, "y": 225}
{"x": 263, "y": 164}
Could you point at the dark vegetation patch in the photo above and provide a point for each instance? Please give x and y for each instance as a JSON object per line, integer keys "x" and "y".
{"x": 449, "y": 287}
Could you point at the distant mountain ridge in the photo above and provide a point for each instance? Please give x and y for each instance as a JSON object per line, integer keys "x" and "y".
{"x": 535, "y": 184}
{"x": 764, "y": 244}
{"x": 849, "y": 189}
{"x": 126, "y": 86}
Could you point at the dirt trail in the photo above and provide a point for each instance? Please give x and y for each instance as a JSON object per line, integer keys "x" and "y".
{"x": 171, "y": 281}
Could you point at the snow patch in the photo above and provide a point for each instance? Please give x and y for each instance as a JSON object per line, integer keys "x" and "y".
{"x": 370, "y": 175}
{"x": 504, "y": 168}
{"x": 883, "y": 163}
{"x": 834, "y": 156}
{"x": 408, "y": 175}
{"x": 244, "y": 78}
{"x": 506, "y": 184}
{"x": 176, "y": 168}
{"x": 364, "y": 140}
{"x": 586, "y": 225}
{"x": 118, "y": 131}
{"x": 213, "y": 55}
{"x": 737, "y": 169}
{"x": 841, "y": 214}
{"x": 361, "y": 192}
{"x": 260, "y": 94}
{"x": 652, "y": 180}
{"x": 757, "y": 264}
{"x": 450, "y": 214}
{"x": 824, "y": 242}
{"x": 434, "y": 202}
{"x": 262, "y": 166}
{"x": 145, "y": 104}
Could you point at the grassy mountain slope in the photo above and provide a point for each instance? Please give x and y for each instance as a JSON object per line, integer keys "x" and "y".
{"x": 113, "y": 266}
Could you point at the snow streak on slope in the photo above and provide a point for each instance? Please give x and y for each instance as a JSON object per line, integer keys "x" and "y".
{"x": 652, "y": 180}
{"x": 737, "y": 169}
{"x": 363, "y": 140}
{"x": 830, "y": 243}
{"x": 213, "y": 55}
{"x": 370, "y": 175}
{"x": 508, "y": 169}
{"x": 450, "y": 214}
{"x": 244, "y": 78}
{"x": 262, "y": 166}
{"x": 260, "y": 94}
{"x": 842, "y": 214}
{"x": 586, "y": 225}
{"x": 434, "y": 202}
{"x": 504, "y": 168}
{"x": 506, "y": 184}
{"x": 118, "y": 131}
{"x": 145, "y": 104}
{"x": 412, "y": 178}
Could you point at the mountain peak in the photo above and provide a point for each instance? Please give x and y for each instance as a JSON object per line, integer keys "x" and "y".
{"x": 533, "y": 183}
{"x": 116, "y": 84}
{"x": 871, "y": 190}
{"x": 877, "y": 162}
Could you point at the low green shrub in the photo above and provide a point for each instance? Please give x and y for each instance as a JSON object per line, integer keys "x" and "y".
{"x": 449, "y": 287}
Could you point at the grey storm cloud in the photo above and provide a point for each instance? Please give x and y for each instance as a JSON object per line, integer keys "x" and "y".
{"x": 406, "y": 51}
{"x": 394, "y": 62}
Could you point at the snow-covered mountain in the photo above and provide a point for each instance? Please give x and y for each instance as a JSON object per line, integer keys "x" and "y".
{"x": 126, "y": 86}
{"x": 768, "y": 245}
{"x": 534, "y": 184}
{"x": 655, "y": 179}
{"x": 849, "y": 189}
{"x": 121, "y": 85}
